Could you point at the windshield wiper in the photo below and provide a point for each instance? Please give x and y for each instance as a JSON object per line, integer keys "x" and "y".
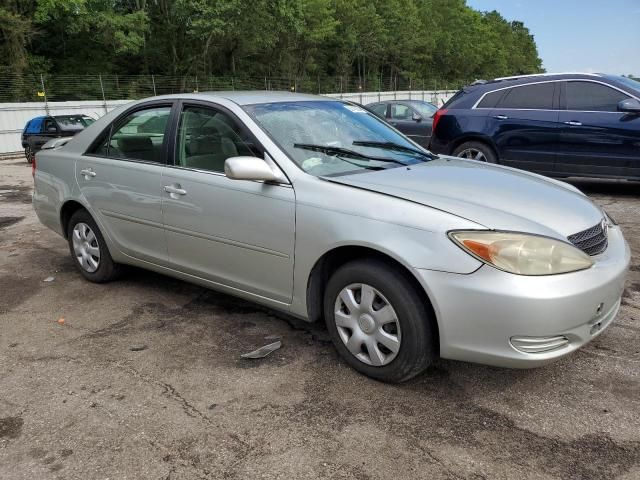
{"x": 394, "y": 146}
{"x": 337, "y": 151}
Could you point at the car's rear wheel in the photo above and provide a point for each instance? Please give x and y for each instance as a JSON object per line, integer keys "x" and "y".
{"x": 378, "y": 322}
{"x": 29, "y": 154}
{"x": 478, "y": 151}
{"x": 89, "y": 250}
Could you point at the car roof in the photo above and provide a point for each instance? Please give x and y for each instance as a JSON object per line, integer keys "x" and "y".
{"x": 482, "y": 85}
{"x": 248, "y": 97}
{"x": 403, "y": 100}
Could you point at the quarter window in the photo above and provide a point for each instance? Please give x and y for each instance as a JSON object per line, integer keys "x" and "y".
{"x": 490, "y": 100}
{"x": 593, "y": 97}
{"x": 207, "y": 137}
{"x": 538, "y": 96}
{"x": 139, "y": 136}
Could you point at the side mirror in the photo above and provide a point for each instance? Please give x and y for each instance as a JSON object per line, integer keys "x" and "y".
{"x": 630, "y": 105}
{"x": 416, "y": 117}
{"x": 249, "y": 168}
{"x": 52, "y": 129}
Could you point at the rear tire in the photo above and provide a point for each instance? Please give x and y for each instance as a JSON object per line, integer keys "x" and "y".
{"x": 366, "y": 337}
{"x": 89, "y": 250}
{"x": 478, "y": 151}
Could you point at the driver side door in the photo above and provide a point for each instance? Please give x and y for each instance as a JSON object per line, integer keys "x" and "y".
{"x": 238, "y": 234}
{"x": 402, "y": 117}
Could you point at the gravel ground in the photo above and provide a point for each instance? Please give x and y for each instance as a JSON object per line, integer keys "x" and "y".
{"x": 143, "y": 379}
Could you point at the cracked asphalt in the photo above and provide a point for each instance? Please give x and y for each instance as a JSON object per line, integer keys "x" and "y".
{"x": 143, "y": 379}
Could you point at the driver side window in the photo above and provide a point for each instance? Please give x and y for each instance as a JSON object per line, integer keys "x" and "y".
{"x": 207, "y": 137}
{"x": 400, "y": 112}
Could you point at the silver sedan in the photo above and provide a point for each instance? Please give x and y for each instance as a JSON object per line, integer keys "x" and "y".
{"x": 315, "y": 207}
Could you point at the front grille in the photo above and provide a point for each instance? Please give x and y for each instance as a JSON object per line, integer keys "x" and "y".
{"x": 591, "y": 241}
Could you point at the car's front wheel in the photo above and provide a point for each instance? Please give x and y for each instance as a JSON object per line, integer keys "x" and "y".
{"x": 378, "y": 321}
{"x": 89, "y": 250}
{"x": 29, "y": 154}
{"x": 478, "y": 151}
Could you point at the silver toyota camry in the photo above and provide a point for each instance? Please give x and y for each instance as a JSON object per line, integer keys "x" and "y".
{"x": 315, "y": 207}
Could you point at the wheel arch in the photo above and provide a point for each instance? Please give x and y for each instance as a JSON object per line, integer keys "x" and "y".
{"x": 475, "y": 137}
{"x": 333, "y": 259}
{"x": 66, "y": 212}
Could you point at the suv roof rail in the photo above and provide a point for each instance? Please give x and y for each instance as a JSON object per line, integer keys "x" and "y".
{"x": 516, "y": 77}
{"x": 479, "y": 82}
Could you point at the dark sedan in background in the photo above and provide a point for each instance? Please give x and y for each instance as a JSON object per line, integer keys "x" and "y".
{"x": 558, "y": 125}
{"x": 411, "y": 117}
{"x": 40, "y": 130}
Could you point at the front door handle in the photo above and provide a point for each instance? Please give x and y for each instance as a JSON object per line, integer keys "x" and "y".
{"x": 501, "y": 117}
{"x": 87, "y": 173}
{"x": 174, "y": 190}
{"x": 574, "y": 123}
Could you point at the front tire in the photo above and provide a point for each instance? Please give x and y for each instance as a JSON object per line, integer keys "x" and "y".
{"x": 89, "y": 250}
{"x": 478, "y": 151}
{"x": 378, "y": 321}
{"x": 29, "y": 154}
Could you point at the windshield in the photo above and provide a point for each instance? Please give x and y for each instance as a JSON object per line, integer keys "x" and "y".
{"x": 425, "y": 109}
{"x": 629, "y": 82}
{"x": 73, "y": 121}
{"x": 327, "y": 138}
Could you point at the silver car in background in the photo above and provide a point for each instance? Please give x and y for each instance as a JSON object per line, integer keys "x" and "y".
{"x": 315, "y": 207}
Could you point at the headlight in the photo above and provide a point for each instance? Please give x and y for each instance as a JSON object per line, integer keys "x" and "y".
{"x": 522, "y": 253}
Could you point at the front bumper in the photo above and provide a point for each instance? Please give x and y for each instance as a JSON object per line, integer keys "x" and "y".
{"x": 494, "y": 317}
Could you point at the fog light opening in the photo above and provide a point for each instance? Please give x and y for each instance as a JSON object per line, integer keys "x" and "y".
{"x": 539, "y": 344}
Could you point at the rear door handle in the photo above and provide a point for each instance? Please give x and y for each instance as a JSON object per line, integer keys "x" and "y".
{"x": 174, "y": 191}
{"x": 573, "y": 123}
{"x": 500, "y": 117}
{"x": 87, "y": 172}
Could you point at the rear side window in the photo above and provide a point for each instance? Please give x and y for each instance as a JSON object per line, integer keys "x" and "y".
{"x": 531, "y": 97}
{"x": 491, "y": 99}
{"x": 593, "y": 97}
{"x": 139, "y": 136}
{"x": 380, "y": 109}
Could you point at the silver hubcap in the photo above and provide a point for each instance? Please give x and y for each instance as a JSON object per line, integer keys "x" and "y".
{"x": 85, "y": 247}
{"x": 367, "y": 324}
{"x": 473, "y": 154}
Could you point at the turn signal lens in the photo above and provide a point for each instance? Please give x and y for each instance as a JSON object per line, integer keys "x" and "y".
{"x": 522, "y": 253}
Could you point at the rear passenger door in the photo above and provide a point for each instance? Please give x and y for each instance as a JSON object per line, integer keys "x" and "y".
{"x": 596, "y": 139}
{"x": 120, "y": 179}
{"x": 524, "y": 125}
{"x": 238, "y": 234}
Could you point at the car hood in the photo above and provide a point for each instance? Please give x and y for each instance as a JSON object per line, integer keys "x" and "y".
{"x": 496, "y": 197}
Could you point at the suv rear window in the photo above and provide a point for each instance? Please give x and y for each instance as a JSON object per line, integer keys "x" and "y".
{"x": 593, "y": 97}
{"x": 538, "y": 96}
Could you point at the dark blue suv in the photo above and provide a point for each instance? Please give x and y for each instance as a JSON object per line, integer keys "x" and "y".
{"x": 558, "y": 125}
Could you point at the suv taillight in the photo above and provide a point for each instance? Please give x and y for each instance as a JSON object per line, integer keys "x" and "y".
{"x": 436, "y": 119}
{"x": 33, "y": 167}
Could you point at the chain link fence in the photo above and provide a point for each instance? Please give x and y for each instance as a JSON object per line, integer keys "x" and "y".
{"x": 56, "y": 88}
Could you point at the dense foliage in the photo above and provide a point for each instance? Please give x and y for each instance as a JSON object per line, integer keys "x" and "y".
{"x": 361, "y": 39}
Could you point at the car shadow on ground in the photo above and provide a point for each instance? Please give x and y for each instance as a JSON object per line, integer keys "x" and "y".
{"x": 605, "y": 186}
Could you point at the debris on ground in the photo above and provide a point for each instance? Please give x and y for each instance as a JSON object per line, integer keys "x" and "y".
{"x": 273, "y": 337}
{"x": 49, "y": 279}
{"x": 263, "y": 351}
{"x": 138, "y": 348}
{"x": 61, "y": 321}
